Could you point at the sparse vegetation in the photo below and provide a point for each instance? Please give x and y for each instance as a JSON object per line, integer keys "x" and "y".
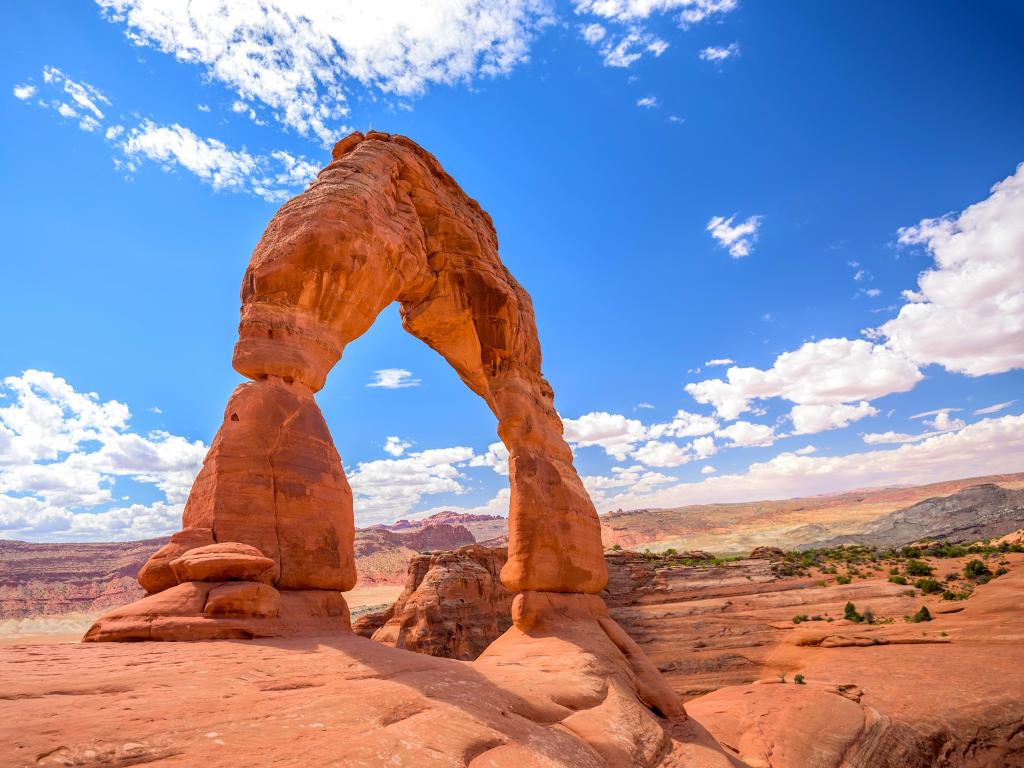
{"x": 850, "y": 613}
{"x": 799, "y": 679}
{"x": 923, "y": 614}
{"x": 918, "y": 568}
{"x": 976, "y": 570}
{"x": 841, "y": 579}
{"x": 801, "y": 617}
{"x": 928, "y": 586}
{"x": 898, "y": 579}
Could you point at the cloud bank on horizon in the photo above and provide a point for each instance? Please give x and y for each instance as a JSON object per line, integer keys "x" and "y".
{"x": 73, "y": 467}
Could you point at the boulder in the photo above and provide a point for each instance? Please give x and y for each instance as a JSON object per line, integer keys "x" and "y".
{"x": 156, "y": 575}
{"x": 223, "y": 562}
{"x": 243, "y": 598}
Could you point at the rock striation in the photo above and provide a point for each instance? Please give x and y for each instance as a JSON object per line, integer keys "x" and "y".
{"x": 453, "y": 605}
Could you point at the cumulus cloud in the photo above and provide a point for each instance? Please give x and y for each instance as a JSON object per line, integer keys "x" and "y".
{"x": 387, "y": 489}
{"x": 739, "y": 238}
{"x": 24, "y": 92}
{"x": 684, "y": 424}
{"x": 824, "y": 372}
{"x": 647, "y": 102}
{"x": 662, "y": 453}
{"x": 746, "y": 433}
{"x": 301, "y": 59}
{"x": 990, "y": 446}
{"x": 393, "y": 378}
{"x": 396, "y": 446}
{"x": 496, "y": 458}
{"x": 967, "y": 313}
{"x": 811, "y": 419}
{"x": 61, "y": 454}
{"x": 615, "y": 433}
{"x": 708, "y": 470}
{"x": 714, "y": 53}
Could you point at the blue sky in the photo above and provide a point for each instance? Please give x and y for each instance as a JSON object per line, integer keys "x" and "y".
{"x": 674, "y": 182}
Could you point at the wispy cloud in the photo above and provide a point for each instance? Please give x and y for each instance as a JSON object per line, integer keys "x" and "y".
{"x": 739, "y": 238}
{"x": 393, "y": 378}
{"x": 273, "y": 176}
{"x": 713, "y": 53}
{"x": 647, "y": 102}
{"x": 994, "y": 408}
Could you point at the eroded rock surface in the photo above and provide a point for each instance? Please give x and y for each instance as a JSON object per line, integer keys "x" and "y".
{"x": 453, "y": 605}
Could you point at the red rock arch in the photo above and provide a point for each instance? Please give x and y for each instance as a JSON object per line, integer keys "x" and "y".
{"x": 383, "y": 222}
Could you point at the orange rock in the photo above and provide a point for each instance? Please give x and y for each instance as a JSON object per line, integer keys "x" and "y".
{"x": 156, "y": 575}
{"x": 222, "y": 562}
{"x": 244, "y": 598}
{"x": 273, "y": 479}
{"x": 382, "y": 223}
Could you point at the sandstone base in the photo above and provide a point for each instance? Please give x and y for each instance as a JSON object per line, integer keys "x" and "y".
{"x": 210, "y": 610}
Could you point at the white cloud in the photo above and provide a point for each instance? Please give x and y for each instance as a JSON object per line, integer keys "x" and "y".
{"x": 393, "y": 378}
{"x": 737, "y": 239}
{"x": 708, "y": 470}
{"x": 703, "y": 447}
{"x": 968, "y": 312}
{"x": 592, "y": 33}
{"x": 627, "y": 49}
{"x": 61, "y": 453}
{"x": 690, "y": 11}
{"x": 301, "y": 58}
{"x": 935, "y": 412}
{"x": 994, "y": 408}
{"x": 684, "y": 424}
{"x": 676, "y": 119}
{"x": 987, "y": 447}
{"x": 643, "y": 405}
{"x": 943, "y": 422}
{"x": 24, "y": 92}
{"x": 636, "y": 479}
{"x": 496, "y": 458}
{"x": 274, "y": 176}
{"x": 662, "y": 453}
{"x": 395, "y": 445}
{"x": 824, "y": 372}
{"x": 613, "y": 432}
{"x": 811, "y": 419}
{"x": 647, "y": 102}
{"x": 387, "y": 489}
{"x": 745, "y": 433}
{"x": 203, "y": 107}
{"x": 719, "y": 361}
{"x": 713, "y": 53}
{"x": 806, "y": 450}
{"x": 86, "y": 96}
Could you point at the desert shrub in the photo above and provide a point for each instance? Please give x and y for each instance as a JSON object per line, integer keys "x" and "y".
{"x": 868, "y": 617}
{"x": 850, "y": 613}
{"x": 951, "y": 577}
{"x": 975, "y": 569}
{"x": 894, "y": 571}
{"x": 923, "y": 614}
{"x": 951, "y": 595}
{"x": 928, "y": 586}
{"x": 898, "y": 579}
{"x": 918, "y": 568}
{"x": 801, "y": 617}
{"x": 1001, "y": 571}
{"x": 799, "y": 679}
{"x": 841, "y": 579}
{"x": 617, "y": 547}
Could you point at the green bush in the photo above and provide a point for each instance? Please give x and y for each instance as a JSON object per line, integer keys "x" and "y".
{"x": 928, "y": 586}
{"x": 799, "y": 679}
{"x": 975, "y": 569}
{"x": 918, "y": 568}
{"x": 841, "y": 579}
{"x": 850, "y": 613}
{"x": 923, "y": 614}
{"x": 801, "y": 617}
{"x": 951, "y": 595}
{"x": 897, "y": 579}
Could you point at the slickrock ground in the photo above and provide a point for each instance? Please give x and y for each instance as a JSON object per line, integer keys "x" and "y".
{"x": 330, "y": 701}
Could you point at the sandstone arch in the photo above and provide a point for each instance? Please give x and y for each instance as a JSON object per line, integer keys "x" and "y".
{"x": 383, "y": 222}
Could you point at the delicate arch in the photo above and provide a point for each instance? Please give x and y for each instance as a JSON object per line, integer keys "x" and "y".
{"x": 383, "y": 222}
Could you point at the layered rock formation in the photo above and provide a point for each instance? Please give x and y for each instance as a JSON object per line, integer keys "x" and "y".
{"x": 382, "y": 223}
{"x": 453, "y": 605}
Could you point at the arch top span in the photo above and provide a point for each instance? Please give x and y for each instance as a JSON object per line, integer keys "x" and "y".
{"x": 383, "y": 222}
